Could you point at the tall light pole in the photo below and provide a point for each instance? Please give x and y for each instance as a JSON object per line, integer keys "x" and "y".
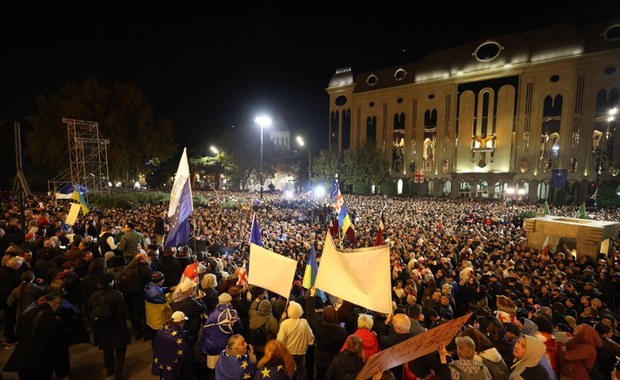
{"x": 301, "y": 142}
{"x": 602, "y": 150}
{"x": 263, "y": 121}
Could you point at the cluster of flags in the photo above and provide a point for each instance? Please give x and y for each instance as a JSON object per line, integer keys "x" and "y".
{"x": 360, "y": 276}
{"x": 580, "y": 214}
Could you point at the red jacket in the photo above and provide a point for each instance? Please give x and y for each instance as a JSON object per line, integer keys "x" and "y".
{"x": 371, "y": 343}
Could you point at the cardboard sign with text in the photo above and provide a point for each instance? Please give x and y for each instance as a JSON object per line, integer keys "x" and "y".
{"x": 412, "y": 348}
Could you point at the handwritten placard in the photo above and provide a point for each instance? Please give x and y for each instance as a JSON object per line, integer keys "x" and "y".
{"x": 415, "y": 347}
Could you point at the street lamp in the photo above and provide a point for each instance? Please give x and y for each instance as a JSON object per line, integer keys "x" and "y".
{"x": 263, "y": 121}
{"x": 602, "y": 150}
{"x": 214, "y": 150}
{"x": 301, "y": 142}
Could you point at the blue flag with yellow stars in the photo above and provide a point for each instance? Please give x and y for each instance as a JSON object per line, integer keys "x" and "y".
{"x": 272, "y": 370}
{"x": 172, "y": 352}
{"x": 234, "y": 367}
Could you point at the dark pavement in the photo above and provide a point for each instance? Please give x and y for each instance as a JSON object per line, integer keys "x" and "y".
{"x": 87, "y": 362}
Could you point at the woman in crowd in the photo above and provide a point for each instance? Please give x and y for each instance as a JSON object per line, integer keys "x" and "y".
{"x": 276, "y": 364}
{"x": 528, "y": 365}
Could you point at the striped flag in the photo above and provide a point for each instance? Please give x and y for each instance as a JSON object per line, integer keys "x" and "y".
{"x": 181, "y": 205}
{"x": 312, "y": 267}
{"x": 78, "y": 196}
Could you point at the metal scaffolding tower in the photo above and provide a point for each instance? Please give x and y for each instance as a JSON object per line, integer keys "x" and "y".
{"x": 88, "y": 160}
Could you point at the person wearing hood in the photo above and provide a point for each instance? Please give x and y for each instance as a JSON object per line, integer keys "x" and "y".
{"x": 488, "y": 354}
{"x": 528, "y": 327}
{"x": 529, "y": 363}
{"x": 578, "y": 356}
{"x": 261, "y": 316}
{"x": 296, "y": 334}
{"x": 183, "y": 300}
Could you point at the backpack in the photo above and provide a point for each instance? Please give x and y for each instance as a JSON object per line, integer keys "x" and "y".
{"x": 499, "y": 371}
{"x": 257, "y": 336}
{"x": 128, "y": 281}
{"x": 100, "y": 315}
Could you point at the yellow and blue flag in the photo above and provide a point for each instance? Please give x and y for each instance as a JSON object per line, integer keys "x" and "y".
{"x": 78, "y": 196}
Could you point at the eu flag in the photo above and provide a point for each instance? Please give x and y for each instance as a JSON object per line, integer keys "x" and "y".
{"x": 255, "y": 233}
{"x": 181, "y": 205}
{"x": 172, "y": 353}
{"x": 333, "y": 195}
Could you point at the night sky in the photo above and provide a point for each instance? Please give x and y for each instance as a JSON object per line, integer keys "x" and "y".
{"x": 211, "y": 65}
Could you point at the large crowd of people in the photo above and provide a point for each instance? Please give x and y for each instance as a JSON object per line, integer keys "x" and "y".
{"x": 537, "y": 312}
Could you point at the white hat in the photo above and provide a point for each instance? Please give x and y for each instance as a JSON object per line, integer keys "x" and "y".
{"x": 179, "y": 316}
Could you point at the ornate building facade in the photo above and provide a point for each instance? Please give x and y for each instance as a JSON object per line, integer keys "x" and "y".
{"x": 530, "y": 113}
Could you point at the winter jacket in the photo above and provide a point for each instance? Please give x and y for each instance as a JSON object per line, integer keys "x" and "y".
{"x": 578, "y": 355}
{"x": 261, "y": 316}
{"x": 330, "y": 336}
{"x": 221, "y": 325}
{"x": 345, "y": 365}
{"x": 370, "y": 340}
{"x": 295, "y": 332}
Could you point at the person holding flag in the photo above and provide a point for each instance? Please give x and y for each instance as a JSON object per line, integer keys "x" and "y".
{"x": 344, "y": 219}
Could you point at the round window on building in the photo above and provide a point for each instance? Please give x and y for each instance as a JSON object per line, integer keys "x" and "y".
{"x": 372, "y": 80}
{"x": 399, "y": 100}
{"x": 554, "y": 78}
{"x": 612, "y": 33}
{"x": 341, "y": 100}
{"x": 610, "y": 70}
{"x": 431, "y": 96}
{"x": 371, "y": 104}
{"x": 488, "y": 51}
{"x": 400, "y": 74}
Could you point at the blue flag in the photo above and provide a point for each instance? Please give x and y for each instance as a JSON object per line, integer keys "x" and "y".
{"x": 255, "y": 233}
{"x": 181, "y": 205}
{"x": 172, "y": 352}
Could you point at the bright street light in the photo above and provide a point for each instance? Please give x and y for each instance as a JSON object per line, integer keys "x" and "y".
{"x": 214, "y": 150}
{"x": 301, "y": 142}
{"x": 263, "y": 121}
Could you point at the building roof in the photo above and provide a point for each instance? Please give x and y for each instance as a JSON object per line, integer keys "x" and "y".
{"x": 534, "y": 46}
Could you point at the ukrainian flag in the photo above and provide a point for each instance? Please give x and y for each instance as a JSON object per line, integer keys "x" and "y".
{"x": 80, "y": 198}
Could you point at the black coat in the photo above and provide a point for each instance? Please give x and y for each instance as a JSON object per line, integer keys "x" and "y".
{"x": 172, "y": 270}
{"x": 117, "y": 335}
{"x": 329, "y": 336}
{"x": 35, "y": 345}
{"x": 387, "y": 340}
{"x": 344, "y": 366}
{"x": 193, "y": 310}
